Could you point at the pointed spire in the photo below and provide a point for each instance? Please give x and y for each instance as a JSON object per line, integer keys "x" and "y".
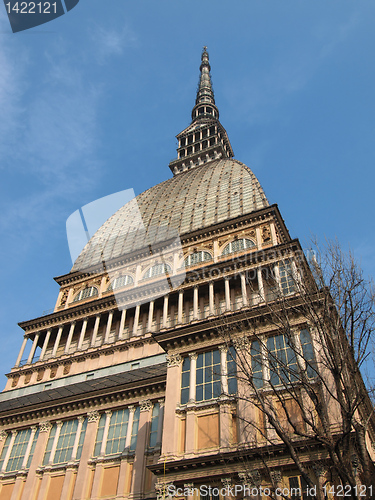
{"x": 205, "y": 139}
{"x": 205, "y": 93}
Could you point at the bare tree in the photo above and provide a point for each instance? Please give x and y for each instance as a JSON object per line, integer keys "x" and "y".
{"x": 298, "y": 371}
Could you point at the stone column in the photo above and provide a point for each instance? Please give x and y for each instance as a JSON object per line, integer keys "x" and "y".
{"x": 70, "y": 336}
{"x": 57, "y": 341}
{"x": 122, "y": 324}
{"x": 180, "y": 306}
{"x": 33, "y": 348}
{"x": 108, "y": 415}
{"x": 211, "y": 298}
{"x": 80, "y": 486}
{"x": 172, "y": 398}
{"x": 273, "y": 234}
{"x": 29, "y": 445}
{"x": 130, "y": 427}
{"x": 159, "y": 433}
{"x": 243, "y": 290}
{"x": 109, "y": 326}
{"x": 9, "y": 451}
{"x": 82, "y": 334}
{"x": 276, "y": 479}
{"x": 95, "y": 331}
{"x": 45, "y": 345}
{"x": 165, "y": 312}
{"x": 193, "y": 375}
{"x": 150, "y": 315}
{"x": 44, "y": 430}
{"x": 136, "y": 319}
{"x": 227, "y": 294}
{"x": 59, "y": 424}
{"x": 223, "y": 366}
{"x": 76, "y": 440}
{"x": 195, "y": 303}
{"x": 260, "y": 284}
{"x": 259, "y": 238}
{"x": 139, "y": 459}
{"x": 277, "y": 277}
{"x": 22, "y": 350}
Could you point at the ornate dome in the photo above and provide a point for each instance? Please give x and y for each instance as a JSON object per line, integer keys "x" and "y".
{"x": 195, "y": 199}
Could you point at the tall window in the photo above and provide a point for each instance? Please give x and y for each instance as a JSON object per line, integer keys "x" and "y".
{"x": 197, "y": 257}
{"x": 308, "y": 352}
{"x": 256, "y": 364}
{"x": 134, "y": 434}
{"x": 157, "y": 270}
{"x": 120, "y": 282}
{"x": 18, "y": 450}
{"x": 185, "y": 381}
{"x": 90, "y": 291}
{"x": 65, "y": 442}
{"x": 208, "y": 375}
{"x": 282, "y": 360}
{"x": 287, "y": 281}
{"x": 154, "y": 425}
{"x": 208, "y": 379}
{"x": 238, "y": 246}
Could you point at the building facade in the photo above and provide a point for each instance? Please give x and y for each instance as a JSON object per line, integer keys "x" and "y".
{"x": 130, "y": 385}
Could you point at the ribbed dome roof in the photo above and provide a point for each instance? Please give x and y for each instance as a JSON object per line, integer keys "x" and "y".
{"x": 195, "y": 199}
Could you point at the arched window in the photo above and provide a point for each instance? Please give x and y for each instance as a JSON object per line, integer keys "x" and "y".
{"x": 197, "y": 257}
{"x": 120, "y": 282}
{"x": 87, "y": 292}
{"x": 157, "y": 270}
{"x": 238, "y": 245}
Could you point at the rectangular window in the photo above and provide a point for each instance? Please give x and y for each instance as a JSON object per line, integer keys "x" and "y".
{"x": 154, "y": 425}
{"x": 282, "y": 360}
{"x": 298, "y": 488}
{"x": 208, "y": 383}
{"x": 18, "y": 451}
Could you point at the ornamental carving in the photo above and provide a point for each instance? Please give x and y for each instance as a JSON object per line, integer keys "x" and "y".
{"x": 15, "y": 380}
{"x": 174, "y": 360}
{"x": 241, "y": 343}
{"x": 266, "y": 234}
{"x": 64, "y": 297}
{"x": 252, "y": 478}
{"x": 40, "y": 375}
{"x": 53, "y": 372}
{"x": 27, "y": 377}
{"x": 3, "y": 435}
{"x": 67, "y": 367}
{"x": 145, "y": 405}
{"x": 45, "y": 426}
{"x": 275, "y": 476}
{"x": 93, "y": 416}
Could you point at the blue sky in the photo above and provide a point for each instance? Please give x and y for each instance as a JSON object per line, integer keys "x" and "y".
{"x": 91, "y": 103}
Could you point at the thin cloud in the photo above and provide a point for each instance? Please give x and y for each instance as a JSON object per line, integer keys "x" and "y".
{"x": 112, "y": 42}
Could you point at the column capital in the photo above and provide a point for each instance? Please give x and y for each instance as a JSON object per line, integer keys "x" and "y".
{"x": 174, "y": 360}
{"x": 93, "y": 416}
{"x": 34, "y": 428}
{"x": 14, "y": 432}
{"x": 223, "y": 348}
{"x": 161, "y": 402}
{"x": 81, "y": 419}
{"x": 59, "y": 424}
{"x": 241, "y": 343}
{"x": 131, "y": 408}
{"x": 193, "y": 356}
{"x": 145, "y": 405}
{"x": 275, "y": 476}
{"x": 3, "y": 435}
{"x": 108, "y": 413}
{"x": 45, "y": 426}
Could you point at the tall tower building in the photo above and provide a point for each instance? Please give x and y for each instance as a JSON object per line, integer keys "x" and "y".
{"x": 131, "y": 384}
